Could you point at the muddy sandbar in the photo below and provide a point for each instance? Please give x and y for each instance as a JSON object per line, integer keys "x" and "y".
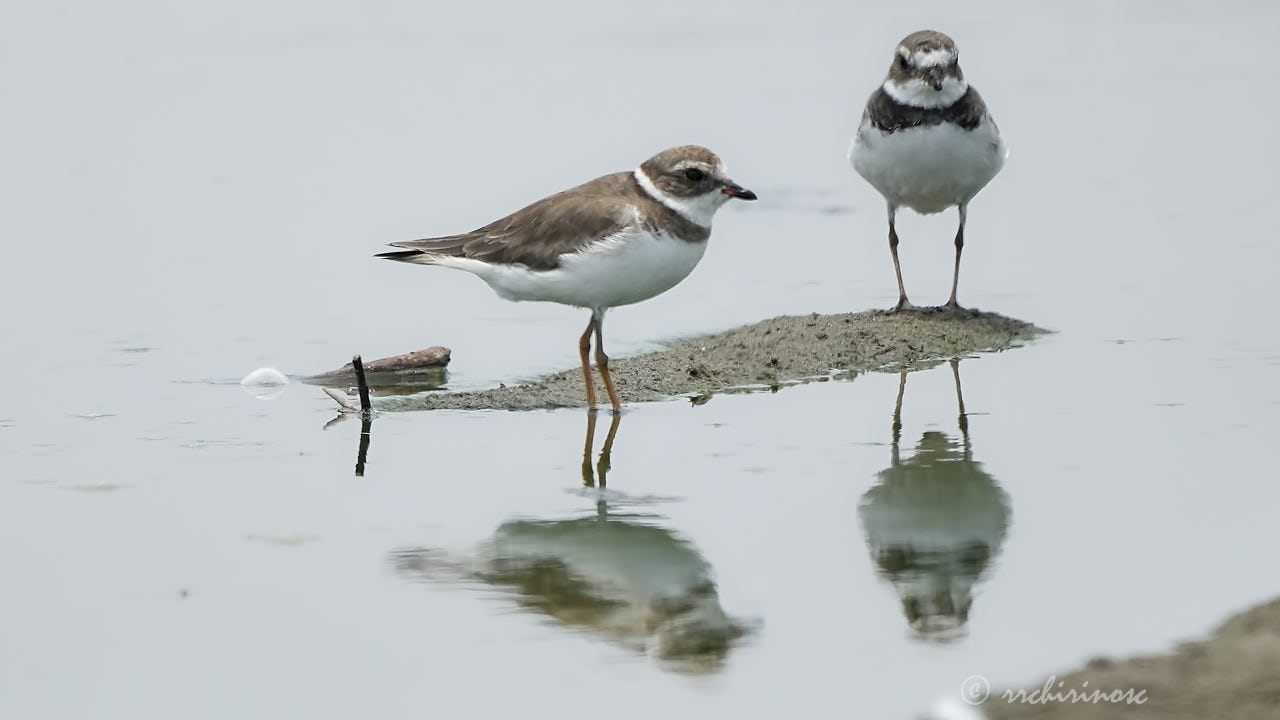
{"x": 765, "y": 355}
{"x": 1232, "y": 674}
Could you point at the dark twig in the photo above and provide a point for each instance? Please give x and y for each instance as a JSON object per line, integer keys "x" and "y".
{"x": 362, "y": 384}
{"x": 366, "y": 415}
{"x": 362, "y": 455}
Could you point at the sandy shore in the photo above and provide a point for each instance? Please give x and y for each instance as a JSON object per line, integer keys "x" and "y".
{"x": 765, "y": 355}
{"x": 1233, "y": 674}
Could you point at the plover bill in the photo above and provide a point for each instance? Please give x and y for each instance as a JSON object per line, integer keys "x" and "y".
{"x": 926, "y": 140}
{"x": 613, "y": 241}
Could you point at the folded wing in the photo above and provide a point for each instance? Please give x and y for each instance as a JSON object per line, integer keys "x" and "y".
{"x": 536, "y": 236}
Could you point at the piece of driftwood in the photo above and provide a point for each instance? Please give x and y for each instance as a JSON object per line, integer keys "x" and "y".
{"x": 406, "y": 374}
{"x": 432, "y": 359}
{"x": 343, "y": 400}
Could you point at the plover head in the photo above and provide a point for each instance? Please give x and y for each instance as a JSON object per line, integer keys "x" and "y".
{"x": 690, "y": 180}
{"x": 926, "y": 71}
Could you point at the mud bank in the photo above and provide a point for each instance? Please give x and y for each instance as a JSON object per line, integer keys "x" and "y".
{"x": 766, "y": 355}
{"x": 1230, "y": 675}
{"x": 762, "y": 356}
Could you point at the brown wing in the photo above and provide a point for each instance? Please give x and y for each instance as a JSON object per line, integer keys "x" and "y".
{"x": 539, "y": 234}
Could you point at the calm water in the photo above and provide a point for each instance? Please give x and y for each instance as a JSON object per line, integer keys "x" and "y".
{"x": 188, "y": 194}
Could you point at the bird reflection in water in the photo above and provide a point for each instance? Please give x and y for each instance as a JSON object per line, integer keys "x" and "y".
{"x": 934, "y": 523}
{"x": 619, "y": 577}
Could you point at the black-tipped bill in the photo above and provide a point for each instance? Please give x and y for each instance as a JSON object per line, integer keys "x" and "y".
{"x": 737, "y": 191}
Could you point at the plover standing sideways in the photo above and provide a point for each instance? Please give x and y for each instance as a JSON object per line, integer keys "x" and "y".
{"x": 926, "y": 140}
{"x": 613, "y": 241}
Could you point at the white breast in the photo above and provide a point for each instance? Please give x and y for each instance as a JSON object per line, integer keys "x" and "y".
{"x": 621, "y": 269}
{"x": 931, "y": 167}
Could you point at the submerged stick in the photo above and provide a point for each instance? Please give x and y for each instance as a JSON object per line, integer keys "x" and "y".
{"x": 366, "y": 434}
{"x": 343, "y": 401}
{"x": 362, "y": 384}
{"x": 366, "y": 415}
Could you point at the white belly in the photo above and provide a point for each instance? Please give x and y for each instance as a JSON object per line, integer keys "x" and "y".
{"x": 931, "y": 167}
{"x": 618, "y": 270}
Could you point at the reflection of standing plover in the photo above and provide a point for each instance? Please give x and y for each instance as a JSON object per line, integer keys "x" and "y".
{"x": 926, "y": 140}
{"x": 935, "y": 523}
{"x": 616, "y": 240}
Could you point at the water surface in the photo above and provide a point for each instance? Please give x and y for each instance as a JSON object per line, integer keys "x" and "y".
{"x": 189, "y": 194}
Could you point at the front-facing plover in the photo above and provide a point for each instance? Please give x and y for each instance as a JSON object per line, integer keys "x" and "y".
{"x": 615, "y": 240}
{"x": 926, "y": 140}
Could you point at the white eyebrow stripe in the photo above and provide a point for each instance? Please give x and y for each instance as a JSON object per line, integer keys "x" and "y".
{"x": 933, "y": 58}
{"x": 708, "y": 168}
{"x": 679, "y": 206}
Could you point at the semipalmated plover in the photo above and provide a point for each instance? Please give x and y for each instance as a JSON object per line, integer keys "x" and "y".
{"x": 926, "y": 140}
{"x": 615, "y": 240}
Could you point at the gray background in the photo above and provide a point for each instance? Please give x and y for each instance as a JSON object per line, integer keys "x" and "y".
{"x": 190, "y": 192}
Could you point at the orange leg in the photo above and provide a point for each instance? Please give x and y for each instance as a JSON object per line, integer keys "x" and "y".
{"x": 602, "y": 362}
{"x": 588, "y": 477}
{"x": 602, "y": 467}
{"x": 584, "y": 350}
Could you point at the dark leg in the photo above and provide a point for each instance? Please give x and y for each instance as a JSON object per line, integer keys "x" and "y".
{"x": 584, "y": 350}
{"x": 903, "y": 303}
{"x": 602, "y": 361}
{"x": 964, "y": 417}
{"x": 897, "y": 416}
{"x": 955, "y": 277}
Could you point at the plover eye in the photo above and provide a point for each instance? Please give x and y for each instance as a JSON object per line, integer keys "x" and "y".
{"x": 902, "y": 63}
{"x": 693, "y": 175}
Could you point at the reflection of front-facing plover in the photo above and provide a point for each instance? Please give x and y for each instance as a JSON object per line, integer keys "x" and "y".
{"x": 615, "y": 240}
{"x": 926, "y": 140}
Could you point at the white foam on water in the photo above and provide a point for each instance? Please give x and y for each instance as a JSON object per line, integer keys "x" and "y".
{"x": 265, "y": 377}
